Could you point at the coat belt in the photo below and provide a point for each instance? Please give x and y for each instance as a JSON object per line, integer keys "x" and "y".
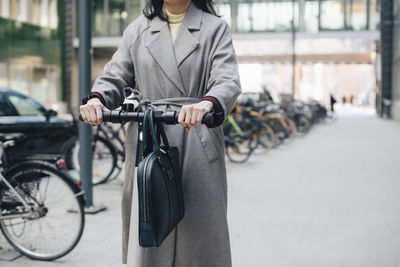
{"x": 174, "y": 101}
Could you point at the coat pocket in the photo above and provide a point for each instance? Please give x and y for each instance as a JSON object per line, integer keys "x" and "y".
{"x": 207, "y": 141}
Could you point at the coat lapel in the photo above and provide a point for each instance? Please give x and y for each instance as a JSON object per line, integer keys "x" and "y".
{"x": 185, "y": 43}
{"x": 170, "y": 56}
{"x": 160, "y": 48}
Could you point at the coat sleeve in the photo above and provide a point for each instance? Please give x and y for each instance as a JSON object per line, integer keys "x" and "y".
{"x": 224, "y": 82}
{"x": 118, "y": 73}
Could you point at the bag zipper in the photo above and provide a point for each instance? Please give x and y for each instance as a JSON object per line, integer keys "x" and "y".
{"x": 144, "y": 189}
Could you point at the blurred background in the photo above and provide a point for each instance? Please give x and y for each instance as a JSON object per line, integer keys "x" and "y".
{"x": 311, "y": 146}
{"x": 307, "y": 48}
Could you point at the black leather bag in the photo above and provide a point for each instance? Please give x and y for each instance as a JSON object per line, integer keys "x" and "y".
{"x": 161, "y": 203}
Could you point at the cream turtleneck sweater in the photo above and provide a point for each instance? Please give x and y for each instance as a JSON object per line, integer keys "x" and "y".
{"x": 174, "y": 22}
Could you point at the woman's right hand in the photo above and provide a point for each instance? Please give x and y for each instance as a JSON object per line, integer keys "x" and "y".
{"x": 92, "y": 111}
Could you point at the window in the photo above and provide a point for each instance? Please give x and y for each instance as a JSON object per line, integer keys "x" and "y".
{"x": 224, "y": 10}
{"x": 25, "y": 106}
{"x": 332, "y": 15}
{"x": 5, "y": 8}
{"x": 99, "y": 17}
{"x": 118, "y": 17}
{"x": 243, "y": 19}
{"x": 374, "y": 15}
{"x": 309, "y": 17}
{"x": 110, "y": 17}
{"x": 5, "y": 109}
{"x": 134, "y": 8}
{"x": 356, "y": 18}
{"x": 258, "y": 15}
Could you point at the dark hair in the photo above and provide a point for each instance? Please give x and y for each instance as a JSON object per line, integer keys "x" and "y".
{"x": 154, "y": 8}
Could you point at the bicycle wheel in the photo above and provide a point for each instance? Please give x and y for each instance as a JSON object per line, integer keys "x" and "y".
{"x": 56, "y": 222}
{"x": 303, "y": 124}
{"x": 235, "y": 153}
{"x": 238, "y": 148}
{"x": 104, "y": 160}
{"x": 291, "y": 130}
{"x": 267, "y": 138}
{"x": 278, "y": 129}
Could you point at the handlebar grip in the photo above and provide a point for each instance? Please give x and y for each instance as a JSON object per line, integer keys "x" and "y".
{"x": 169, "y": 117}
{"x": 107, "y": 116}
{"x": 208, "y": 119}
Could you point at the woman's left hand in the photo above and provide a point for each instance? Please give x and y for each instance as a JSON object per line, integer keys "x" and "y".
{"x": 192, "y": 115}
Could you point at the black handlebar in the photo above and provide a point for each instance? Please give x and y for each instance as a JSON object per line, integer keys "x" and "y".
{"x": 168, "y": 117}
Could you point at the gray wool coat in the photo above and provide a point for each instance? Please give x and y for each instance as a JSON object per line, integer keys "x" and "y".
{"x": 201, "y": 62}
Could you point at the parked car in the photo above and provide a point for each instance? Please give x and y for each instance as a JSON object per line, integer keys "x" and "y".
{"x": 47, "y": 135}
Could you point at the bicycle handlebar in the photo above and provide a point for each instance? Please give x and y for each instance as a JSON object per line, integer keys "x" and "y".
{"x": 168, "y": 117}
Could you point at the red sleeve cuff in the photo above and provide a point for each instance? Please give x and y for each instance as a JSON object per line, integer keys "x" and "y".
{"x": 86, "y": 98}
{"x": 218, "y": 111}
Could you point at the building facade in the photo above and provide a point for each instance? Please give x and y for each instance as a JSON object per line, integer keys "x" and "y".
{"x": 329, "y": 39}
{"x": 112, "y": 16}
{"x": 333, "y": 42}
{"x": 32, "y": 49}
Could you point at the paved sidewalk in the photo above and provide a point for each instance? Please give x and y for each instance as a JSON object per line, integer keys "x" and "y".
{"x": 330, "y": 198}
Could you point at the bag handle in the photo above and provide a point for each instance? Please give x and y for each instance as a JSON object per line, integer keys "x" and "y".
{"x": 146, "y": 132}
{"x": 160, "y": 128}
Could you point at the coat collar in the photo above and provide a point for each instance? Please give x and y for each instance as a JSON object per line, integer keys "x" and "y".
{"x": 170, "y": 56}
{"x": 192, "y": 19}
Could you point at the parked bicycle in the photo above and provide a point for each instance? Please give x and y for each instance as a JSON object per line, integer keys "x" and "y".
{"x": 41, "y": 208}
{"x": 246, "y": 132}
{"x": 240, "y": 142}
{"x": 259, "y": 125}
{"x": 274, "y": 116}
{"x": 108, "y": 154}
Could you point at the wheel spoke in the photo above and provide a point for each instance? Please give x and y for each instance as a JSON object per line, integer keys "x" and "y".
{"x": 57, "y": 231}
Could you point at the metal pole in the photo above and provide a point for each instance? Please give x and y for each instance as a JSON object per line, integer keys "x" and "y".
{"x": 387, "y": 24}
{"x": 85, "y": 131}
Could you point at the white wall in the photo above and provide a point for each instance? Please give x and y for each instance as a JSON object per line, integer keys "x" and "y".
{"x": 5, "y": 8}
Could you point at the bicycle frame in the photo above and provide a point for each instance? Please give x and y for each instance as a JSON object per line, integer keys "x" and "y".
{"x": 242, "y": 134}
{"x": 30, "y": 211}
{"x": 235, "y": 125}
{"x": 4, "y": 180}
{"x": 110, "y": 133}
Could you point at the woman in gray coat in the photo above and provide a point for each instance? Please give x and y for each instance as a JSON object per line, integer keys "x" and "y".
{"x": 178, "y": 55}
